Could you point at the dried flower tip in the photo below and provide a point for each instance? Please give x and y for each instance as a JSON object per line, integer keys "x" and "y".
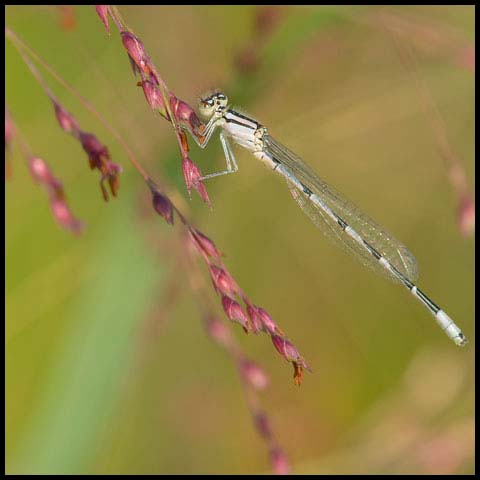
{"x": 204, "y": 244}
{"x": 102, "y": 11}
{"x": 65, "y": 119}
{"x": 153, "y": 97}
{"x": 263, "y": 425}
{"x": 288, "y": 351}
{"x": 222, "y": 281}
{"x": 192, "y": 176}
{"x": 279, "y": 462}
{"x": 253, "y": 374}
{"x": 185, "y": 114}
{"x": 466, "y": 216}
{"x": 163, "y": 206}
{"x": 136, "y": 52}
{"x": 234, "y": 311}
{"x": 111, "y": 173}
{"x": 64, "y": 217}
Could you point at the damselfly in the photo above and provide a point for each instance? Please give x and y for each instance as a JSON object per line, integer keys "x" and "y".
{"x": 336, "y": 216}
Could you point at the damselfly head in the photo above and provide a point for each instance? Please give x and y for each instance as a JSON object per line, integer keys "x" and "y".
{"x": 212, "y": 103}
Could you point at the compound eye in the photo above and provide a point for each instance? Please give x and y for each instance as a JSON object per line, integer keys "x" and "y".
{"x": 222, "y": 99}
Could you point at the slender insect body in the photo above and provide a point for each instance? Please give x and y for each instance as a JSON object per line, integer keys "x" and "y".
{"x": 328, "y": 209}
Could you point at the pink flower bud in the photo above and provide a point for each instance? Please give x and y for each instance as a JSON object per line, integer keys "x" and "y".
{"x": 204, "y": 244}
{"x": 192, "y": 176}
{"x": 287, "y": 350}
{"x": 153, "y": 96}
{"x": 62, "y": 214}
{"x": 102, "y": 11}
{"x": 185, "y": 114}
{"x": 136, "y": 51}
{"x": 234, "y": 311}
{"x": 65, "y": 119}
{"x": 466, "y": 216}
{"x": 261, "y": 320}
{"x": 218, "y": 331}
{"x": 279, "y": 462}
{"x": 253, "y": 374}
{"x": 163, "y": 206}
{"x": 40, "y": 170}
{"x": 222, "y": 281}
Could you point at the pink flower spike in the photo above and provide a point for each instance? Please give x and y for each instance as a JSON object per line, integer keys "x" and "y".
{"x": 63, "y": 215}
{"x": 102, "y": 11}
{"x": 163, "y": 206}
{"x": 203, "y": 243}
{"x": 223, "y": 281}
{"x": 66, "y": 119}
{"x": 234, "y": 311}
{"x": 253, "y": 374}
{"x": 466, "y": 216}
{"x": 279, "y": 462}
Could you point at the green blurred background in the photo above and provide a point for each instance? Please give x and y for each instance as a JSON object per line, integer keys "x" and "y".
{"x": 108, "y": 369}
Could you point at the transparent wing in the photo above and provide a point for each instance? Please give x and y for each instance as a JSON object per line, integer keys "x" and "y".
{"x": 388, "y": 246}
